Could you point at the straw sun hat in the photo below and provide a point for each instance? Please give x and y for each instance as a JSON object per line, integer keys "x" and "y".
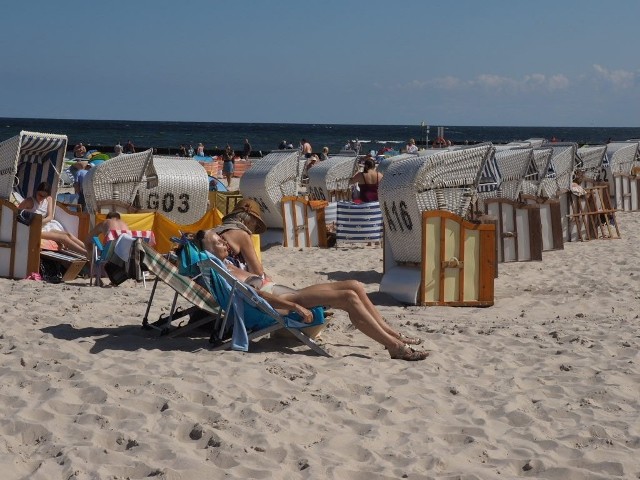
{"x": 252, "y": 208}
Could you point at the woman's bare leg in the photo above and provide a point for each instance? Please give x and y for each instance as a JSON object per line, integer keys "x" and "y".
{"x": 349, "y": 301}
{"x": 66, "y": 239}
{"x": 358, "y": 289}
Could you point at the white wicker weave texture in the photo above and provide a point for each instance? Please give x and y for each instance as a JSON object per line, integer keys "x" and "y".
{"x": 446, "y": 180}
{"x": 119, "y": 178}
{"x": 182, "y": 191}
{"x": 591, "y": 160}
{"x": 514, "y": 165}
{"x": 541, "y": 159}
{"x": 621, "y": 156}
{"x": 562, "y": 162}
{"x": 331, "y": 175}
{"x": 268, "y": 180}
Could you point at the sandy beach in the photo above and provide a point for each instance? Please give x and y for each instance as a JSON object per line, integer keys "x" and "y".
{"x": 542, "y": 385}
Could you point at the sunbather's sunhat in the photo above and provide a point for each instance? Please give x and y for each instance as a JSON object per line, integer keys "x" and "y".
{"x": 253, "y": 209}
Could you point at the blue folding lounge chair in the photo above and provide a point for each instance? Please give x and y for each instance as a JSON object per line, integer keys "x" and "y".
{"x": 252, "y": 316}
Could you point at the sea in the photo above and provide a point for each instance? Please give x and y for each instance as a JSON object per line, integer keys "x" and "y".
{"x": 167, "y": 136}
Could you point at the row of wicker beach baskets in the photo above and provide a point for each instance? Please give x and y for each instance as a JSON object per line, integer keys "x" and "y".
{"x": 445, "y": 217}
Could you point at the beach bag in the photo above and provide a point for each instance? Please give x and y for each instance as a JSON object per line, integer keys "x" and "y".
{"x": 51, "y": 271}
{"x": 355, "y": 192}
{"x": 25, "y": 217}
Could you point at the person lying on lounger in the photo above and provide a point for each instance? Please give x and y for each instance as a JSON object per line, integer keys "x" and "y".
{"x": 42, "y": 204}
{"x": 348, "y": 295}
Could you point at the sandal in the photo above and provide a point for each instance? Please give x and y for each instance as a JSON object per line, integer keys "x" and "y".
{"x": 409, "y": 340}
{"x": 405, "y": 352}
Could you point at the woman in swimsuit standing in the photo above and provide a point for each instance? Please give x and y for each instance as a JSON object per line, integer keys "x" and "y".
{"x": 368, "y": 181}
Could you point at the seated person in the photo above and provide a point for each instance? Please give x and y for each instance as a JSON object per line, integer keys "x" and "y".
{"x": 111, "y": 222}
{"x": 236, "y": 230}
{"x": 42, "y": 204}
{"x": 79, "y": 151}
{"x": 347, "y": 295}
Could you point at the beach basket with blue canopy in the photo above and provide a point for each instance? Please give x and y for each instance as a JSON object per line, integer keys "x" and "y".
{"x": 28, "y": 159}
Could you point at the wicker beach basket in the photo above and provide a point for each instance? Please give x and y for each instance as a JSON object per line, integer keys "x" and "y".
{"x": 558, "y": 176}
{"x": 514, "y": 164}
{"x": 447, "y": 180}
{"x": 28, "y": 159}
{"x": 274, "y": 176}
{"x": 531, "y": 183}
{"x": 177, "y": 188}
{"x": 590, "y": 162}
{"x": 329, "y": 179}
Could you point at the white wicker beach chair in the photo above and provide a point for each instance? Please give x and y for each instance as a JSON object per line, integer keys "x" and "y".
{"x": 119, "y": 179}
{"x": 384, "y": 164}
{"x": 513, "y": 164}
{"x": 446, "y": 180}
{"x": 560, "y": 173}
{"x": 175, "y": 187}
{"x": 329, "y": 180}
{"x": 274, "y": 176}
{"x": 182, "y": 190}
{"x": 619, "y": 163}
{"x": 531, "y": 183}
{"x": 590, "y": 163}
{"x": 28, "y": 159}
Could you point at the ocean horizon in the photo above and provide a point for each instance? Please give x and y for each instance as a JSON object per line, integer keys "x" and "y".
{"x": 169, "y": 135}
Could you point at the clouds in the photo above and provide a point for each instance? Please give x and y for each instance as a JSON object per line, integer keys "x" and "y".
{"x": 487, "y": 82}
{"x": 617, "y": 79}
{"x": 533, "y": 83}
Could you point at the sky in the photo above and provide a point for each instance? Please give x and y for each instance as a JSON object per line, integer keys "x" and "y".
{"x": 572, "y": 63}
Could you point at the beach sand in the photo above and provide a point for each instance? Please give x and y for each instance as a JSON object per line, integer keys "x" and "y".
{"x": 544, "y": 384}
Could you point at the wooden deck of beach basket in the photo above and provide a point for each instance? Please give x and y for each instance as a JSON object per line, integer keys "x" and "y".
{"x": 518, "y": 225}
{"x": 329, "y": 179}
{"x": 437, "y": 187}
{"x": 457, "y": 266}
{"x": 178, "y": 188}
{"x": 273, "y": 177}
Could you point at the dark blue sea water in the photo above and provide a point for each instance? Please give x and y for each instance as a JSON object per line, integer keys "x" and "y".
{"x": 267, "y": 136}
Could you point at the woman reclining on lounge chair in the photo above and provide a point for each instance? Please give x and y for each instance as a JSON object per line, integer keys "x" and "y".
{"x": 347, "y": 295}
{"x": 42, "y": 204}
